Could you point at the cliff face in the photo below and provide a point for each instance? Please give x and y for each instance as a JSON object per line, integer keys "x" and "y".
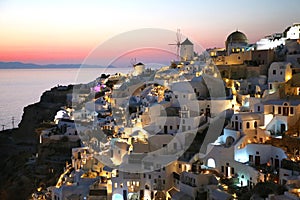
{"x": 18, "y": 179}
{"x": 45, "y": 110}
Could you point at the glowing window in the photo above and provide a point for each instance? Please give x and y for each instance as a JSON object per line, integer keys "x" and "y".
{"x": 211, "y": 163}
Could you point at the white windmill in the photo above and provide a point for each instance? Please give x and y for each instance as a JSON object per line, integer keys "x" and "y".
{"x": 177, "y": 43}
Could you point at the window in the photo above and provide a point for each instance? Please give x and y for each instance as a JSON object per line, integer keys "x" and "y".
{"x": 171, "y": 127}
{"x": 270, "y": 86}
{"x": 291, "y": 110}
{"x": 179, "y": 166}
{"x": 247, "y": 125}
{"x": 149, "y": 176}
{"x": 255, "y": 124}
{"x": 258, "y": 108}
{"x": 116, "y": 185}
{"x": 250, "y": 158}
{"x": 279, "y": 110}
{"x": 274, "y": 71}
{"x": 240, "y": 125}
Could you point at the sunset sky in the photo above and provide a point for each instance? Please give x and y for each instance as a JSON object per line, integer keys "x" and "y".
{"x": 67, "y": 31}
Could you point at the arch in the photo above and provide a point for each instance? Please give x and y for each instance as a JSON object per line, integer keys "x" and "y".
{"x": 211, "y": 163}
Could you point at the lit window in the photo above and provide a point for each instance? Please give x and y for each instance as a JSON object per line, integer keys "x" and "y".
{"x": 116, "y": 185}
{"x": 128, "y": 183}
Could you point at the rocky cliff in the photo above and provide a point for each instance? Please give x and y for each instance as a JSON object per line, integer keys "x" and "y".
{"x": 50, "y": 102}
{"x": 19, "y": 176}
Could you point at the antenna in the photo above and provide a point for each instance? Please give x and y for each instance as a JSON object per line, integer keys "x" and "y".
{"x": 177, "y": 42}
{"x": 13, "y": 122}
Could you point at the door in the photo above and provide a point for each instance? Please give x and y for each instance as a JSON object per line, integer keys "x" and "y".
{"x": 285, "y": 111}
{"x": 276, "y": 163}
{"x": 257, "y": 160}
{"x": 165, "y": 129}
{"x": 282, "y": 128}
{"x": 125, "y": 194}
{"x": 236, "y": 125}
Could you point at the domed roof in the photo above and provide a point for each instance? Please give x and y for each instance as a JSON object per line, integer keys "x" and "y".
{"x": 237, "y": 37}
